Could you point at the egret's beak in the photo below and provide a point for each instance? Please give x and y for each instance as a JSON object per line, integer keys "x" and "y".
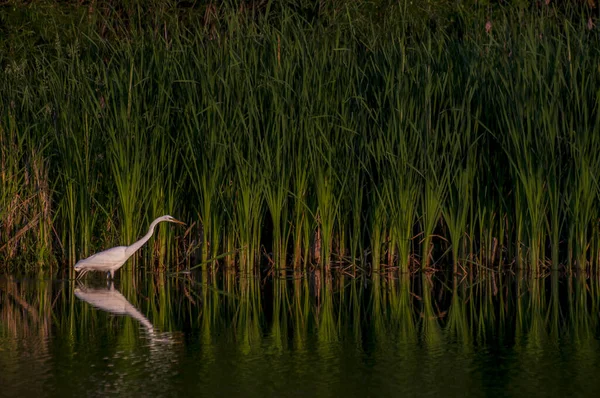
{"x": 178, "y": 222}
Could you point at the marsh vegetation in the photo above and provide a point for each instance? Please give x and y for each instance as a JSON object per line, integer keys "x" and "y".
{"x": 355, "y": 136}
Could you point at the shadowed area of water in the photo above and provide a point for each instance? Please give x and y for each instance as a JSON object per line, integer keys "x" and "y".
{"x": 309, "y": 336}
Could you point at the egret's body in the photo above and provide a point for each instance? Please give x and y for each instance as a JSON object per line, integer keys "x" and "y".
{"x": 112, "y": 259}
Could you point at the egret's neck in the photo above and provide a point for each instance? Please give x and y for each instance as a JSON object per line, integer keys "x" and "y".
{"x": 135, "y": 246}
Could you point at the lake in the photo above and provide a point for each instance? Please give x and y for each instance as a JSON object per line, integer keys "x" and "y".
{"x": 393, "y": 335}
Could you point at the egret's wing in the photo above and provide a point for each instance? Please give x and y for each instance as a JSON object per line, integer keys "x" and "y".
{"x": 104, "y": 259}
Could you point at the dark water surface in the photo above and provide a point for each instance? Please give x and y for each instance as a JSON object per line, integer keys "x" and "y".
{"x": 408, "y": 336}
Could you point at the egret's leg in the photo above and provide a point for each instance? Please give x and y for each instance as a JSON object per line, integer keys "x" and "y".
{"x": 112, "y": 274}
{"x": 81, "y": 273}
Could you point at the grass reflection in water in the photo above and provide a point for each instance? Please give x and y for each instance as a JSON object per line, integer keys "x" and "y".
{"x": 310, "y": 334}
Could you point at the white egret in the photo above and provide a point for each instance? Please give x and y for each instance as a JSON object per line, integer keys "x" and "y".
{"x": 112, "y": 259}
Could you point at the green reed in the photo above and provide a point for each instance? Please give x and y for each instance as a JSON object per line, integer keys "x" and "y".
{"x": 362, "y": 137}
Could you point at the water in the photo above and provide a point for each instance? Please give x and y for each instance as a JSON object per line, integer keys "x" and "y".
{"x": 418, "y": 336}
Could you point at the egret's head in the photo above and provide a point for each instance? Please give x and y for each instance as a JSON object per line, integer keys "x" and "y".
{"x": 173, "y": 220}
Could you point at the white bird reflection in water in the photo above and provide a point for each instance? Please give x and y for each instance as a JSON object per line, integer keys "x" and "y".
{"x": 109, "y": 299}
{"x": 160, "y": 362}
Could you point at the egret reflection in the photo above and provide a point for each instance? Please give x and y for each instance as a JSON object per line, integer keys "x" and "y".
{"x": 109, "y": 299}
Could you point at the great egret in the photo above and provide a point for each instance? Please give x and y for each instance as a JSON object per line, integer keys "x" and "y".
{"x": 112, "y": 259}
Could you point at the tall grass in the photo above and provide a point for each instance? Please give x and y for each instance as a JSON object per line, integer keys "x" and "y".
{"x": 382, "y": 136}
